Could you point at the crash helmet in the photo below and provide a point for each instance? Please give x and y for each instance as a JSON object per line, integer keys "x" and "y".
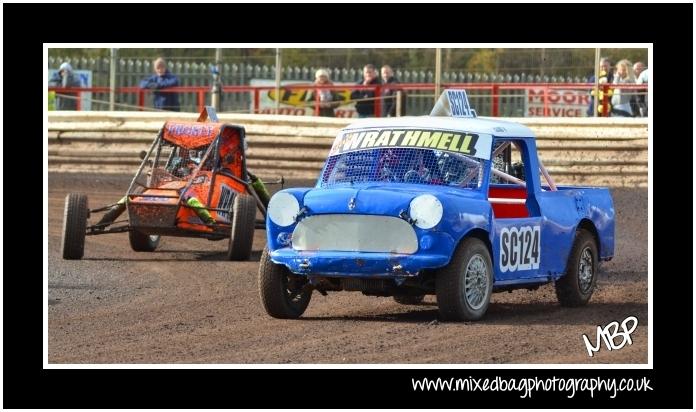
{"x": 451, "y": 168}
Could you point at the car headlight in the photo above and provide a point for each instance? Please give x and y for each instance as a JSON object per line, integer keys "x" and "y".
{"x": 283, "y": 208}
{"x": 426, "y": 210}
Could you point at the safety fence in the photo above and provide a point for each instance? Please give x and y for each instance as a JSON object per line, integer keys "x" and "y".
{"x": 589, "y": 151}
{"x": 129, "y": 73}
{"x": 489, "y": 99}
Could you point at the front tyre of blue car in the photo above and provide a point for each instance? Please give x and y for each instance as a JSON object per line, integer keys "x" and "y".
{"x": 284, "y": 295}
{"x": 464, "y": 287}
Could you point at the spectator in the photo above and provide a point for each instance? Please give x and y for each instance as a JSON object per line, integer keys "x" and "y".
{"x": 642, "y": 73}
{"x": 366, "y": 108}
{"x": 638, "y": 69}
{"x": 65, "y": 77}
{"x": 328, "y": 99}
{"x": 605, "y": 76}
{"x": 162, "y": 79}
{"x": 623, "y": 101}
{"x": 390, "y": 93}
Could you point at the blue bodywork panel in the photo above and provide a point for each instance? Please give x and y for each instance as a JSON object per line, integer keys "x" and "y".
{"x": 529, "y": 249}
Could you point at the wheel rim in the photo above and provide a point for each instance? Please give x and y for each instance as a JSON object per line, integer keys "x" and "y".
{"x": 585, "y": 270}
{"x": 476, "y": 282}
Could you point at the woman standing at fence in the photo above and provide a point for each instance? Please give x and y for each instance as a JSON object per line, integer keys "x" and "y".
{"x": 623, "y": 101}
{"x": 328, "y": 99}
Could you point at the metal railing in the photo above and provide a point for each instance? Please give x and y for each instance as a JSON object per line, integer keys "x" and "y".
{"x": 492, "y": 99}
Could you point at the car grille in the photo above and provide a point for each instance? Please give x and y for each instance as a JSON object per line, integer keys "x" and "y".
{"x": 355, "y": 233}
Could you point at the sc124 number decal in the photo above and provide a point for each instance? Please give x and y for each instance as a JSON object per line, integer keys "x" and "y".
{"x": 519, "y": 248}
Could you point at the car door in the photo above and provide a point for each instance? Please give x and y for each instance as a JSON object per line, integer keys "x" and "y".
{"x": 517, "y": 222}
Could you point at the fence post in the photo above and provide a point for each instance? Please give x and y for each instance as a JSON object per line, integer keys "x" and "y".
{"x": 605, "y": 106}
{"x": 112, "y": 80}
{"x": 546, "y": 101}
{"x": 399, "y": 95}
{"x": 256, "y": 100}
{"x": 316, "y": 101}
{"x": 201, "y": 100}
{"x": 496, "y": 97}
{"x": 141, "y": 99}
{"x": 378, "y": 101}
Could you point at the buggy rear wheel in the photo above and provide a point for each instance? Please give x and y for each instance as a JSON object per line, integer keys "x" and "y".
{"x": 74, "y": 225}
{"x": 141, "y": 242}
{"x": 283, "y": 294}
{"x": 243, "y": 225}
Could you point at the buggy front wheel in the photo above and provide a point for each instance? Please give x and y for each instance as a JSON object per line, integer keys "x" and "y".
{"x": 74, "y": 225}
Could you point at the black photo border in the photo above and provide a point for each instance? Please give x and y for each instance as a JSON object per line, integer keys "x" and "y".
{"x": 26, "y": 27}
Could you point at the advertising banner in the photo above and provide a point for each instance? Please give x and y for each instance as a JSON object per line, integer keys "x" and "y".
{"x": 297, "y": 101}
{"x": 561, "y": 102}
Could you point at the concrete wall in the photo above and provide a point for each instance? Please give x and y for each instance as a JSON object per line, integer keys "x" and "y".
{"x": 578, "y": 151}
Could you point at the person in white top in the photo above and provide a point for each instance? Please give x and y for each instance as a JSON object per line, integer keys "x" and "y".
{"x": 642, "y": 74}
{"x": 623, "y": 100}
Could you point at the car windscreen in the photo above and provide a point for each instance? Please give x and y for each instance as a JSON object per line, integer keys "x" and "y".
{"x": 403, "y": 165}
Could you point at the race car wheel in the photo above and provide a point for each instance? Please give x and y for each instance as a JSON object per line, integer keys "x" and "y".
{"x": 577, "y": 286}
{"x": 283, "y": 294}
{"x": 409, "y": 299}
{"x": 464, "y": 287}
{"x": 243, "y": 225}
{"x": 141, "y": 242}
{"x": 74, "y": 225}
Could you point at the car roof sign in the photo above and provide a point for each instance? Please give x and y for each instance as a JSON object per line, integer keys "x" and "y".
{"x": 453, "y": 103}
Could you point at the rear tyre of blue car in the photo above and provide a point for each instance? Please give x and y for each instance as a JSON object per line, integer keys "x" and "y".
{"x": 284, "y": 295}
{"x": 74, "y": 225}
{"x": 578, "y": 284}
{"x": 464, "y": 287}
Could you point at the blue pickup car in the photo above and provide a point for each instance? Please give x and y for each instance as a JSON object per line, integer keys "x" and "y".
{"x": 448, "y": 204}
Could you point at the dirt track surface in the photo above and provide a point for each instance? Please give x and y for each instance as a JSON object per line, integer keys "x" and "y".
{"x": 185, "y": 304}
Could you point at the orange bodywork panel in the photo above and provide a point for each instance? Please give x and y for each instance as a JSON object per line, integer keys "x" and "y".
{"x": 190, "y": 135}
{"x": 186, "y": 218}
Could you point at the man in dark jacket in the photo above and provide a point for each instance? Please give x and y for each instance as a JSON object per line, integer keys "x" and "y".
{"x": 366, "y": 108}
{"x": 162, "y": 79}
{"x": 389, "y": 93}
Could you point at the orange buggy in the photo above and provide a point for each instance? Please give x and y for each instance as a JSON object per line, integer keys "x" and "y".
{"x": 192, "y": 182}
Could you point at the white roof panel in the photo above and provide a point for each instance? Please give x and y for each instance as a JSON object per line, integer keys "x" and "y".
{"x": 491, "y": 126}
